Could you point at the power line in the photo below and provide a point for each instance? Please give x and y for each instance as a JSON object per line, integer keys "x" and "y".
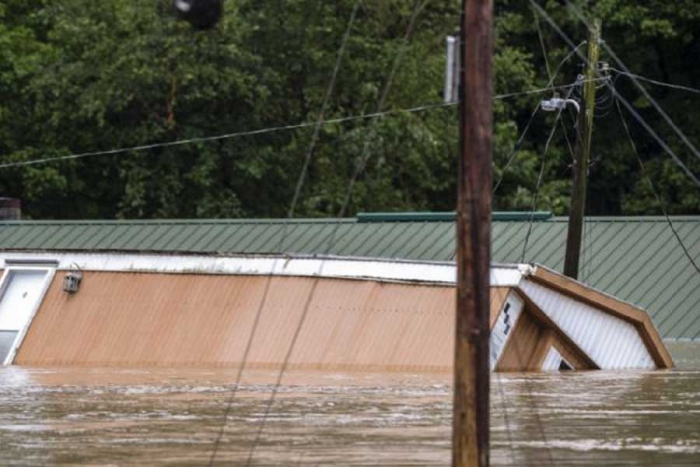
{"x": 297, "y": 192}
{"x": 205, "y": 139}
{"x": 519, "y": 142}
{"x": 621, "y": 99}
{"x": 643, "y": 90}
{"x": 549, "y": 88}
{"x": 645, "y": 174}
{"x": 419, "y": 5}
{"x": 540, "y": 176}
{"x": 262, "y": 131}
{"x": 324, "y": 107}
{"x": 516, "y": 149}
{"x": 656, "y": 82}
{"x": 540, "y": 37}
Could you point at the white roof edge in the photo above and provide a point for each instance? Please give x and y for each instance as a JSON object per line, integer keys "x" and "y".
{"x": 527, "y": 269}
{"x": 502, "y": 275}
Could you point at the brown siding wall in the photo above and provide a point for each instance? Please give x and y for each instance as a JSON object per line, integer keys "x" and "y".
{"x": 522, "y": 345}
{"x": 572, "y": 355}
{"x": 157, "y": 319}
{"x": 530, "y": 343}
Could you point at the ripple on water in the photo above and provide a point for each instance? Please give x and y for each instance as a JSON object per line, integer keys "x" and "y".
{"x": 103, "y": 416}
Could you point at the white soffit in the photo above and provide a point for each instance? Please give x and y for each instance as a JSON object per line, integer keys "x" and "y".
{"x": 610, "y": 342}
{"x": 554, "y": 360}
{"x": 331, "y": 267}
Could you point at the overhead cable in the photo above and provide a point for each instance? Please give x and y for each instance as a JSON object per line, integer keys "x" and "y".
{"x": 677, "y": 236}
{"x": 540, "y": 177}
{"x": 419, "y": 5}
{"x": 624, "y": 101}
{"x": 324, "y": 108}
{"x": 647, "y": 178}
{"x": 521, "y": 139}
{"x": 300, "y": 182}
{"x": 639, "y": 85}
{"x": 656, "y": 82}
{"x": 262, "y": 131}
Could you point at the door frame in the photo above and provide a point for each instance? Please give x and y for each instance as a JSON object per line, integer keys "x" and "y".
{"x": 50, "y": 272}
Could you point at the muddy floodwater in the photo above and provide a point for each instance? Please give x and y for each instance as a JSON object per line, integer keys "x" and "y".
{"x": 111, "y": 416}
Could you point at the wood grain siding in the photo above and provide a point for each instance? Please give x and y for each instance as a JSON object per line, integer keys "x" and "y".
{"x": 531, "y": 341}
{"x": 571, "y": 354}
{"x": 132, "y": 319}
{"x": 522, "y": 346}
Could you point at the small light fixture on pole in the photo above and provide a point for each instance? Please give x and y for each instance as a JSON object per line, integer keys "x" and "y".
{"x": 557, "y": 103}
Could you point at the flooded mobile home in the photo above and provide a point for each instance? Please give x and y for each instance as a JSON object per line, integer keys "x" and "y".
{"x": 138, "y": 328}
{"x": 635, "y": 260}
{"x": 341, "y": 314}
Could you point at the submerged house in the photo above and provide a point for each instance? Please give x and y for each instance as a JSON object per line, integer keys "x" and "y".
{"x": 208, "y": 292}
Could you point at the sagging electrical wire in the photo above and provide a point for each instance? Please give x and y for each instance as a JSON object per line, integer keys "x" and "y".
{"x": 655, "y": 82}
{"x": 621, "y": 99}
{"x": 521, "y": 139}
{"x": 636, "y": 82}
{"x": 647, "y": 178}
{"x": 262, "y": 131}
{"x": 419, "y": 6}
{"x": 299, "y": 185}
{"x": 540, "y": 177}
{"x": 662, "y": 205}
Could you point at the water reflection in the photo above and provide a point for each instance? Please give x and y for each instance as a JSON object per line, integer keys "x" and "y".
{"x": 115, "y": 416}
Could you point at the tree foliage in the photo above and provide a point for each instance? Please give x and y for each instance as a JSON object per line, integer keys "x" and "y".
{"x": 79, "y": 76}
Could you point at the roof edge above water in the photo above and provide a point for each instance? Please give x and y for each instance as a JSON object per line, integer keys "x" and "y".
{"x": 382, "y": 270}
{"x": 362, "y": 218}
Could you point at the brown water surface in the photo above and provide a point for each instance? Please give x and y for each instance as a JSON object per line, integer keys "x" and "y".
{"x": 108, "y": 416}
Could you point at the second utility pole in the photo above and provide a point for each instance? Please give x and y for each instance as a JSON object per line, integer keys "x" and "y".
{"x": 470, "y": 439}
{"x": 583, "y": 155}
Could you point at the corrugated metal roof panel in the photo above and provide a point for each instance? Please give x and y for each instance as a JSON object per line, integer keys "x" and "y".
{"x": 356, "y": 239}
{"x": 132, "y": 237}
{"x": 26, "y": 236}
{"x": 45, "y": 235}
{"x": 64, "y": 236}
{"x": 111, "y": 234}
{"x": 636, "y": 259}
{"x": 199, "y": 240}
{"x": 444, "y": 248}
{"x": 187, "y": 232}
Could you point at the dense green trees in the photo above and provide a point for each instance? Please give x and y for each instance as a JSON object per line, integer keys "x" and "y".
{"x": 80, "y": 76}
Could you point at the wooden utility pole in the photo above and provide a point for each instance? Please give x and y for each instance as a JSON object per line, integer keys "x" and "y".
{"x": 472, "y": 374}
{"x": 582, "y": 156}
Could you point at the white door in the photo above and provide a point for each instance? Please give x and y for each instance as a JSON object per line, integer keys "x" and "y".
{"x": 20, "y": 296}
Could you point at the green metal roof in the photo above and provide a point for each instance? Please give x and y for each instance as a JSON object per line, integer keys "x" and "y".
{"x": 637, "y": 259}
{"x": 448, "y": 216}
